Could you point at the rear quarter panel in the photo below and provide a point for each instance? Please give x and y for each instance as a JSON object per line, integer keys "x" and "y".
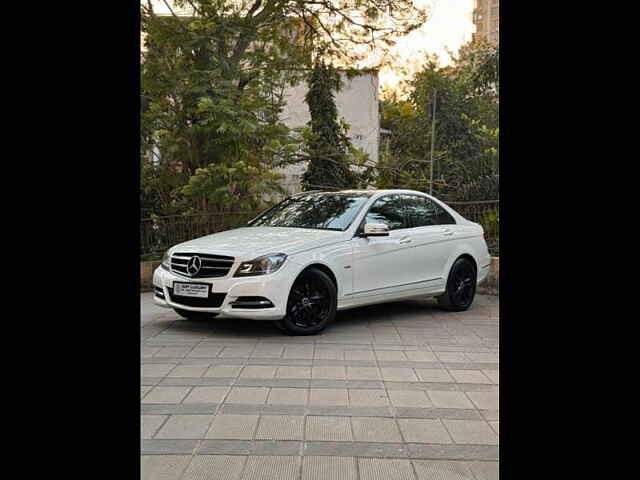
{"x": 469, "y": 240}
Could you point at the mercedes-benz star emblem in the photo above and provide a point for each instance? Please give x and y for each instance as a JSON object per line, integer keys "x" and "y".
{"x": 194, "y": 265}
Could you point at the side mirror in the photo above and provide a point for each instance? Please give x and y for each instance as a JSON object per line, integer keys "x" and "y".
{"x": 375, "y": 230}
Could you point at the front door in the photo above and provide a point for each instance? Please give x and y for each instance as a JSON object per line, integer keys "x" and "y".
{"x": 380, "y": 263}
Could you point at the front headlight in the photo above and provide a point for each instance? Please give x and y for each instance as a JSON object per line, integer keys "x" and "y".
{"x": 261, "y": 265}
{"x": 166, "y": 261}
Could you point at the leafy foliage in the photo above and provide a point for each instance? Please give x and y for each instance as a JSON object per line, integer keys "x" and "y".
{"x": 328, "y": 149}
{"x": 213, "y": 84}
{"x": 466, "y": 148}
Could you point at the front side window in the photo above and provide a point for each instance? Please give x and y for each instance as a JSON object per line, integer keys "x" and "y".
{"x": 422, "y": 212}
{"x": 324, "y": 211}
{"x": 387, "y": 210}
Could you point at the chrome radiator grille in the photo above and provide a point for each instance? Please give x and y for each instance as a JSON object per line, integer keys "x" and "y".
{"x": 200, "y": 265}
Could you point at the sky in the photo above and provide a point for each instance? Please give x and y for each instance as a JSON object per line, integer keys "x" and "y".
{"x": 448, "y": 27}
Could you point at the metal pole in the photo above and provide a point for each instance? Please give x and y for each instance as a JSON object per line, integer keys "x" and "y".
{"x": 433, "y": 138}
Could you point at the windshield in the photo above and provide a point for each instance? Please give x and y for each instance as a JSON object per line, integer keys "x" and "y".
{"x": 325, "y": 211}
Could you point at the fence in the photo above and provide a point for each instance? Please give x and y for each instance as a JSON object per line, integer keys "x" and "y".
{"x": 159, "y": 233}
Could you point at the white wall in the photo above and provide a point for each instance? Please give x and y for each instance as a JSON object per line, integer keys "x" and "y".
{"x": 357, "y": 103}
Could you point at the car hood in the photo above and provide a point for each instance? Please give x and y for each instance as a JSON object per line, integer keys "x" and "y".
{"x": 247, "y": 243}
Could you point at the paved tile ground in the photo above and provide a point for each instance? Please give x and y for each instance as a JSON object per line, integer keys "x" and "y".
{"x": 400, "y": 391}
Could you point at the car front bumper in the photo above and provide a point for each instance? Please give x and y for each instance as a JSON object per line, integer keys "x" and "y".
{"x": 274, "y": 287}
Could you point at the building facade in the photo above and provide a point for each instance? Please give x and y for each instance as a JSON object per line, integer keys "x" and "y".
{"x": 357, "y": 104}
{"x": 486, "y": 18}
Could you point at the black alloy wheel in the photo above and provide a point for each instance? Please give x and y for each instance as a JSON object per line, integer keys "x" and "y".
{"x": 461, "y": 286}
{"x": 195, "y": 316}
{"x": 311, "y": 305}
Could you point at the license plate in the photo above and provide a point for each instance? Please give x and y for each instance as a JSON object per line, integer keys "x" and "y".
{"x": 191, "y": 289}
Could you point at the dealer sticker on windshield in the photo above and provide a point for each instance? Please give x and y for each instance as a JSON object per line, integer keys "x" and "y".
{"x": 191, "y": 289}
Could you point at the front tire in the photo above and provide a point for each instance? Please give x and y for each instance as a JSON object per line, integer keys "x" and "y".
{"x": 311, "y": 305}
{"x": 195, "y": 316}
{"x": 461, "y": 286}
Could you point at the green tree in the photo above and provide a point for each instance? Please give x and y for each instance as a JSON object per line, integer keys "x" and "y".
{"x": 466, "y": 128}
{"x": 328, "y": 149}
{"x": 213, "y": 84}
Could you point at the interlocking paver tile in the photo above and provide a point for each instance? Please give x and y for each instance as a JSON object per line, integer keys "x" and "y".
{"x": 293, "y": 372}
{"x": 166, "y": 395}
{"x": 422, "y": 430}
{"x": 494, "y": 375}
{"x": 391, "y": 355}
{"x": 469, "y": 376}
{"x": 485, "y": 400}
{"x": 148, "y": 352}
{"x": 363, "y": 373}
{"x": 328, "y": 396}
{"x": 334, "y": 429}
{"x": 471, "y": 432}
{"x": 204, "y": 352}
{"x": 483, "y": 357}
{"x": 258, "y": 371}
{"x": 398, "y": 374}
{"x": 359, "y": 355}
{"x": 155, "y": 369}
{"x": 185, "y": 426}
{"x": 403, "y": 391}
{"x": 233, "y": 427}
{"x": 287, "y": 396}
{"x": 249, "y": 395}
{"x": 485, "y": 470}
{"x": 144, "y": 389}
{"x": 374, "y": 429}
{"x": 328, "y": 354}
{"x": 206, "y": 395}
{"x": 236, "y": 352}
{"x": 271, "y": 468}
{"x": 435, "y": 375}
{"x": 496, "y": 427}
{"x": 298, "y": 352}
{"x": 420, "y": 356}
{"x": 174, "y": 352}
{"x": 163, "y": 467}
{"x": 336, "y": 373}
{"x": 329, "y": 468}
{"x": 409, "y": 398}
{"x": 268, "y": 351}
{"x": 149, "y": 424}
{"x": 188, "y": 371}
{"x": 215, "y": 467}
{"x": 452, "y": 357}
{"x": 367, "y": 398}
{"x": 446, "y": 399}
{"x": 223, "y": 371}
{"x": 280, "y": 427}
{"x": 442, "y": 470}
{"x": 385, "y": 469}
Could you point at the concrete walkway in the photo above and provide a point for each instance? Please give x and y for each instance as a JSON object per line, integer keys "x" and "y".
{"x": 397, "y": 391}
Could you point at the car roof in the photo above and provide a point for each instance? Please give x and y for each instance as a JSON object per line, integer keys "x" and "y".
{"x": 369, "y": 192}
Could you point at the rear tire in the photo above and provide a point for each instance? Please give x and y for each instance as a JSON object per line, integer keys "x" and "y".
{"x": 195, "y": 316}
{"x": 461, "y": 286}
{"x": 311, "y": 305}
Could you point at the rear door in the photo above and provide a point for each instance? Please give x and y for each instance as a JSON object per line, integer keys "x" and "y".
{"x": 433, "y": 234}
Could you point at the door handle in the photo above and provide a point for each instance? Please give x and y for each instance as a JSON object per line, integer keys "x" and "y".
{"x": 447, "y": 232}
{"x": 405, "y": 240}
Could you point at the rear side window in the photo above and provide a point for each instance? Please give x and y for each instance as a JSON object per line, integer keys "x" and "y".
{"x": 422, "y": 212}
{"x": 387, "y": 210}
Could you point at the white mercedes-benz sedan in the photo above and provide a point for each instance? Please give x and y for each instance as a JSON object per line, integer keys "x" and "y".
{"x": 318, "y": 252}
